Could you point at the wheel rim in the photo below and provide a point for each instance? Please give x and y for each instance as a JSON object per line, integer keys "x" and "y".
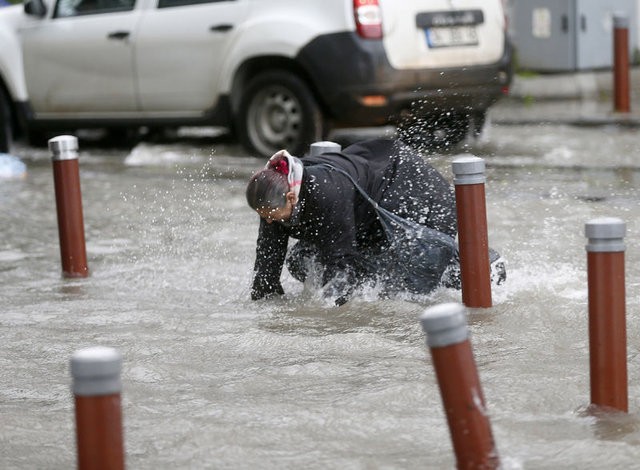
{"x": 275, "y": 120}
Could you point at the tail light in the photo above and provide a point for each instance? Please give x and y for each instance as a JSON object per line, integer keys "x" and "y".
{"x": 368, "y": 17}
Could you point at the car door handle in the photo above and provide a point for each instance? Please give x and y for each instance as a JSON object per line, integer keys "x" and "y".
{"x": 119, "y": 35}
{"x": 221, "y": 28}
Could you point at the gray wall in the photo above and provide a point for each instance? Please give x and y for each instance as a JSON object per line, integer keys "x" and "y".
{"x": 559, "y": 35}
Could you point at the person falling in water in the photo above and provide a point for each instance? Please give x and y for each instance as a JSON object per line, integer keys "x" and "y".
{"x": 315, "y": 200}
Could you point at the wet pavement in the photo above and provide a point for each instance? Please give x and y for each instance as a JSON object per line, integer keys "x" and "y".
{"x": 213, "y": 380}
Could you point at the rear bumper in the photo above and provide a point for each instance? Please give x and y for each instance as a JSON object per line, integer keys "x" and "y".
{"x": 360, "y": 68}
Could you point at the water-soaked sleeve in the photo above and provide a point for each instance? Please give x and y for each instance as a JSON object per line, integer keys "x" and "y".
{"x": 336, "y": 232}
{"x": 271, "y": 250}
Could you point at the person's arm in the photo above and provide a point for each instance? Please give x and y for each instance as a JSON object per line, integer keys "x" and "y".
{"x": 271, "y": 250}
{"x": 338, "y": 249}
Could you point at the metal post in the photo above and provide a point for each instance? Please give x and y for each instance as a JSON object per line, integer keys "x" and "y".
{"x": 621, "y": 64}
{"x": 473, "y": 240}
{"x": 318, "y": 148}
{"x": 607, "y": 315}
{"x": 66, "y": 175}
{"x": 460, "y": 389}
{"x": 96, "y": 389}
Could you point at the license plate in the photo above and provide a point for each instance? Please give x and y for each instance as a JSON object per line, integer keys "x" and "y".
{"x": 451, "y": 37}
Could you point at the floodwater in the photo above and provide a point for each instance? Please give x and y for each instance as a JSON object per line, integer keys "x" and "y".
{"x": 213, "y": 380}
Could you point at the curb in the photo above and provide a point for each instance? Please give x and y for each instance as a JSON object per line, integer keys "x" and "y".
{"x": 579, "y": 85}
{"x": 622, "y": 120}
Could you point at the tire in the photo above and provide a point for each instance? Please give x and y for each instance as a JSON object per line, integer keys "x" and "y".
{"x": 6, "y": 127}
{"x": 278, "y": 111}
{"x": 435, "y": 133}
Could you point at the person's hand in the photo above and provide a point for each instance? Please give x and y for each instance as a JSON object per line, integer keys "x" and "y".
{"x": 341, "y": 300}
{"x": 339, "y": 290}
{"x": 262, "y": 290}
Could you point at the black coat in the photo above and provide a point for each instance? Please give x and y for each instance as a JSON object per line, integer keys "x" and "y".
{"x": 332, "y": 215}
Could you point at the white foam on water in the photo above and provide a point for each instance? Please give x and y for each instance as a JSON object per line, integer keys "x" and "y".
{"x": 560, "y": 155}
{"x": 11, "y": 167}
{"x": 107, "y": 247}
{"x": 12, "y": 255}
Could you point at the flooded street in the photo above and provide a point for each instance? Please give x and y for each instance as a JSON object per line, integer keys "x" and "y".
{"x": 214, "y": 380}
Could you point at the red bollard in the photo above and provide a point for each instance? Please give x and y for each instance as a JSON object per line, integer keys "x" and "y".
{"x": 66, "y": 175}
{"x": 621, "y": 64}
{"x": 475, "y": 270}
{"x": 462, "y": 398}
{"x": 607, "y": 313}
{"x": 97, "y": 387}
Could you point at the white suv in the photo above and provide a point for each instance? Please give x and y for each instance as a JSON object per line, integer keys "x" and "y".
{"x": 278, "y": 73}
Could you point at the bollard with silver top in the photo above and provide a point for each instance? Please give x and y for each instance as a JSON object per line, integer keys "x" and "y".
{"x": 607, "y": 312}
{"x": 445, "y": 324}
{"x": 325, "y": 146}
{"x": 96, "y": 388}
{"x": 459, "y": 383}
{"x": 473, "y": 240}
{"x": 66, "y": 175}
{"x": 620, "y": 21}
{"x": 468, "y": 170}
{"x": 64, "y": 147}
{"x": 96, "y": 371}
{"x": 621, "y": 88}
{"x": 605, "y": 234}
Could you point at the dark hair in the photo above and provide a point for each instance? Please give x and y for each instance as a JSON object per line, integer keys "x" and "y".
{"x": 267, "y": 189}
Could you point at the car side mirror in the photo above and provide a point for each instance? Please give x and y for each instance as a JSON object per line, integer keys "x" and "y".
{"x": 35, "y": 8}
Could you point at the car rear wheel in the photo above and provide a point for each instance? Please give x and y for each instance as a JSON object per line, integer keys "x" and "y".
{"x": 6, "y": 129}
{"x": 278, "y": 112}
